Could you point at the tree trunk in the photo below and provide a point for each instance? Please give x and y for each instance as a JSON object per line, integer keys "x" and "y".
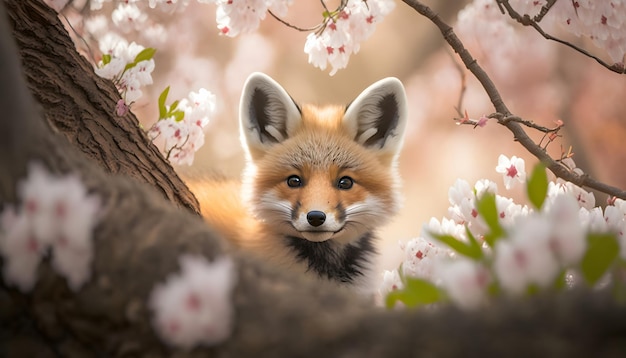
{"x": 141, "y": 235}
{"x": 81, "y": 105}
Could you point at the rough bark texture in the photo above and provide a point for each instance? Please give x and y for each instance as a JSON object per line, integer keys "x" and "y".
{"x": 81, "y": 106}
{"x": 142, "y": 234}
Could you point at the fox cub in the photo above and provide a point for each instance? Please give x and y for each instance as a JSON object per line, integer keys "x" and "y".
{"x": 318, "y": 181}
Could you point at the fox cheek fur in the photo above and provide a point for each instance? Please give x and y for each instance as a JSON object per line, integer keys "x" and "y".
{"x": 321, "y": 180}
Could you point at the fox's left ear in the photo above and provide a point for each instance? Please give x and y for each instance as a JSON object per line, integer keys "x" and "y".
{"x": 377, "y": 117}
{"x": 267, "y": 114}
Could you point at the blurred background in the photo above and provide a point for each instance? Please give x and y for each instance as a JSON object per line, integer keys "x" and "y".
{"x": 539, "y": 81}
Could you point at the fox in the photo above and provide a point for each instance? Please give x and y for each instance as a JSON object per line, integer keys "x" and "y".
{"x": 318, "y": 181}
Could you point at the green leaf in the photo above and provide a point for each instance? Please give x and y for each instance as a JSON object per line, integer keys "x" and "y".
{"x": 161, "y": 102}
{"x": 560, "y": 283}
{"x": 178, "y": 115}
{"x": 106, "y": 59}
{"x": 486, "y": 207}
{"x": 174, "y": 105}
{"x": 601, "y": 252}
{"x": 493, "y": 290}
{"x": 469, "y": 250}
{"x": 473, "y": 241}
{"x": 537, "y": 186}
{"x": 416, "y": 293}
{"x": 144, "y": 55}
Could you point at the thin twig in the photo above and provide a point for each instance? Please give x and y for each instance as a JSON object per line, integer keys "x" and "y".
{"x": 302, "y": 29}
{"x": 515, "y": 127}
{"x": 527, "y": 123}
{"x": 459, "y": 104}
{"x": 67, "y": 21}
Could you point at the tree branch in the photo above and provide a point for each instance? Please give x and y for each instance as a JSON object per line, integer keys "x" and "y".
{"x": 519, "y": 133}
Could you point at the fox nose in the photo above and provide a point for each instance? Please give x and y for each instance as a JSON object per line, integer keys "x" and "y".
{"x": 316, "y": 218}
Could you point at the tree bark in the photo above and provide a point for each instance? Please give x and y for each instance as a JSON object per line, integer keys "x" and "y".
{"x": 278, "y": 314}
{"x": 81, "y": 106}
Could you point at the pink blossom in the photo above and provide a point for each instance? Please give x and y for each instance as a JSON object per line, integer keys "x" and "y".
{"x": 343, "y": 35}
{"x": 56, "y": 213}
{"x": 568, "y": 240}
{"x": 482, "y": 121}
{"x": 465, "y": 282}
{"x": 525, "y": 258}
{"x": 180, "y": 139}
{"x": 128, "y": 17}
{"x": 240, "y": 16}
{"x": 195, "y": 307}
{"x": 420, "y": 256}
{"x": 20, "y": 250}
{"x": 121, "y": 108}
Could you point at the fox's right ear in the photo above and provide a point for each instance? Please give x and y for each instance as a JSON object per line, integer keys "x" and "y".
{"x": 267, "y": 114}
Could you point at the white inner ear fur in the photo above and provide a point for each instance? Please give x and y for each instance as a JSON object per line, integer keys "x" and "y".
{"x": 378, "y": 115}
{"x": 267, "y": 114}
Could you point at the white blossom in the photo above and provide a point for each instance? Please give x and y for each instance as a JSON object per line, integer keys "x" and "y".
{"x": 56, "y": 213}
{"x": 512, "y": 170}
{"x": 525, "y": 258}
{"x": 180, "y": 139}
{"x": 465, "y": 281}
{"x": 195, "y": 307}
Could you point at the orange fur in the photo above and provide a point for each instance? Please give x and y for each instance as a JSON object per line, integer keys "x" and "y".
{"x": 340, "y": 173}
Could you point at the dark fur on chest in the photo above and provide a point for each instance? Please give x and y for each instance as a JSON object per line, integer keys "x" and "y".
{"x": 343, "y": 263}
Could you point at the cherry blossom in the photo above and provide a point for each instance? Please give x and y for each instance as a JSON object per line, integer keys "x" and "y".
{"x": 180, "y": 138}
{"x": 512, "y": 170}
{"x": 344, "y": 33}
{"x": 56, "y": 214}
{"x": 525, "y": 258}
{"x": 584, "y": 198}
{"x": 567, "y": 241}
{"x": 195, "y": 306}
{"x": 128, "y": 17}
{"x": 391, "y": 282}
{"x": 421, "y": 256}
{"x": 20, "y": 249}
{"x": 235, "y": 17}
{"x": 530, "y": 252}
{"x": 604, "y": 22}
{"x": 465, "y": 281}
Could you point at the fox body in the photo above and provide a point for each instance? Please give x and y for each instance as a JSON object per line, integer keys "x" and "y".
{"x": 318, "y": 181}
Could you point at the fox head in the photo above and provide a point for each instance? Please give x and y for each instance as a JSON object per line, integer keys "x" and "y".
{"x": 322, "y": 173}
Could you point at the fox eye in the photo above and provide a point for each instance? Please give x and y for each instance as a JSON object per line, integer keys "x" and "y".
{"x": 294, "y": 181}
{"x": 345, "y": 183}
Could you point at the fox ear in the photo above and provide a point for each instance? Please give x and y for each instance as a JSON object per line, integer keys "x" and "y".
{"x": 267, "y": 114}
{"x": 377, "y": 117}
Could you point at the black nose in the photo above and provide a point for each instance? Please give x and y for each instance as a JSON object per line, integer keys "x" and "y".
{"x": 316, "y": 218}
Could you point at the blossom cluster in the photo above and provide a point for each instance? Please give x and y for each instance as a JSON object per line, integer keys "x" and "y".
{"x": 56, "y": 217}
{"x": 195, "y": 307}
{"x": 236, "y": 17}
{"x": 180, "y": 128}
{"x": 129, "y": 66}
{"x": 492, "y": 244}
{"x": 602, "y": 21}
{"x": 343, "y": 33}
